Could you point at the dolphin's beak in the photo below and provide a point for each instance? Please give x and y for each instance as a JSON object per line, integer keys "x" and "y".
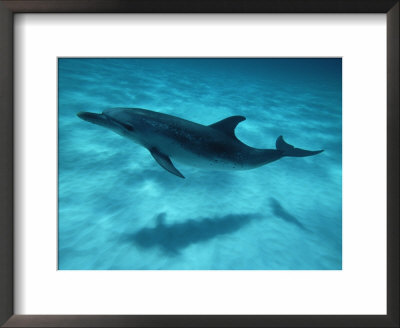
{"x": 94, "y": 118}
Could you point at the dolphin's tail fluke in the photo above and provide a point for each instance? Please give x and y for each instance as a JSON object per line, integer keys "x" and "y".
{"x": 289, "y": 150}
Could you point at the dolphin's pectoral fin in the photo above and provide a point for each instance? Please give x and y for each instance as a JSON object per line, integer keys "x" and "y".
{"x": 165, "y": 162}
{"x": 228, "y": 125}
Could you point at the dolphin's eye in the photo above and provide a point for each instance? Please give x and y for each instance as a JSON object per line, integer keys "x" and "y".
{"x": 127, "y": 126}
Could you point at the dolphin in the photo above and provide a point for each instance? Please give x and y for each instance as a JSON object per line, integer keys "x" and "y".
{"x": 169, "y": 138}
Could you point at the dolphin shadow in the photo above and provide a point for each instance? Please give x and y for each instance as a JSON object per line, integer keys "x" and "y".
{"x": 280, "y": 212}
{"x": 171, "y": 238}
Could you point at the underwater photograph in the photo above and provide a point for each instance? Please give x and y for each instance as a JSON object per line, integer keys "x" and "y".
{"x": 199, "y": 163}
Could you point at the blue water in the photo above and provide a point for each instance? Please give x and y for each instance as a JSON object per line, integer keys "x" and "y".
{"x": 119, "y": 210}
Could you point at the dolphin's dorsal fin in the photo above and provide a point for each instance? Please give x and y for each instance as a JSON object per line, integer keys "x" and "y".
{"x": 165, "y": 162}
{"x": 228, "y": 125}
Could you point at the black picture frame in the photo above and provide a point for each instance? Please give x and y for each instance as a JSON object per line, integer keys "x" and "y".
{"x": 10, "y": 7}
